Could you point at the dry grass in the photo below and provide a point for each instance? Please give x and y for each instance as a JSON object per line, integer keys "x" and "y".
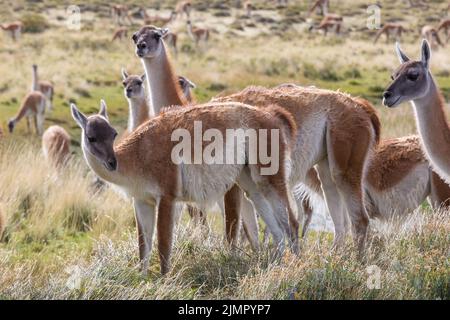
{"x": 63, "y": 239}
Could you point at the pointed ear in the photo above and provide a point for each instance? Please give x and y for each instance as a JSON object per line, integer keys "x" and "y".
{"x": 103, "y": 108}
{"x": 143, "y": 77}
{"x": 134, "y": 37}
{"x": 402, "y": 57}
{"x": 426, "y": 53}
{"x": 124, "y": 74}
{"x": 78, "y": 116}
{"x": 163, "y": 32}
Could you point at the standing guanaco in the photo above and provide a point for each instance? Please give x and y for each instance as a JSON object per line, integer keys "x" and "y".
{"x": 45, "y": 87}
{"x": 56, "y": 146}
{"x": 14, "y": 29}
{"x": 390, "y": 29}
{"x": 33, "y": 106}
{"x": 121, "y": 33}
{"x": 197, "y": 34}
{"x": 445, "y": 25}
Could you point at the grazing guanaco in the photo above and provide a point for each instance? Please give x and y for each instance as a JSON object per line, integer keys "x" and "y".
{"x": 33, "y": 106}
{"x": 121, "y": 33}
{"x": 184, "y": 7}
{"x": 45, "y": 87}
{"x": 165, "y": 91}
{"x": 13, "y": 29}
{"x": 320, "y": 5}
{"x": 329, "y": 22}
{"x": 197, "y": 34}
{"x": 431, "y": 34}
{"x": 134, "y": 92}
{"x": 336, "y": 132}
{"x": 399, "y": 179}
{"x": 120, "y": 13}
{"x": 186, "y": 87}
{"x": 445, "y": 25}
{"x": 390, "y": 29}
{"x": 143, "y": 166}
{"x": 413, "y": 82}
{"x": 56, "y": 146}
{"x": 170, "y": 39}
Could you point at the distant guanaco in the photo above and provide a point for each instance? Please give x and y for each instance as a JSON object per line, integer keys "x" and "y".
{"x": 390, "y": 29}
{"x": 119, "y": 12}
{"x": 45, "y": 87}
{"x": 323, "y": 5}
{"x": 183, "y": 7}
{"x": 56, "y": 145}
{"x": 158, "y": 21}
{"x": 13, "y": 29}
{"x": 33, "y": 106}
{"x": 248, "y": 7}
{"x": 431, "y": 34}
{"x": 186, "y": 86}
{"x": 329, "y": 22}
{"x": 170, "y": 38}
{"x": 445, "y": 25}
{"x": 197, "y": 34}
{"x": 121, "y": 33}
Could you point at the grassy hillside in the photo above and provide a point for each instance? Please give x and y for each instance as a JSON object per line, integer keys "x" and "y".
{"x": 65, "y": 239}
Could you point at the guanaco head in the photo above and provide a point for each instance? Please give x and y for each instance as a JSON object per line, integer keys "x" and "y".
{"x": 133, "y": 85}
{"x": 148, "y": 41}
{"x": 186, "y": 86}
{"x": 97, "y": 137}
{"x": 411, "y": 80}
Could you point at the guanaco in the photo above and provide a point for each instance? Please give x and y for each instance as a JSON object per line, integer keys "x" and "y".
{"x": 197, "y": 34}
{"x": 184, "y": 7}
{"x": 56, "y": 145}
{"x": 445, "y": 26}
{"x": 413, "y": 81}
{"x": 33, "y": 106}
{"x": 431, "y": 34}
{"x": 171, "y": 39}
{"x": 390, "y": 29}
{"x": 186, "y": 87}
{"x": 144, "y": 168}
{"x": 120, "y": 34}
{"x": 13, "y": 29}
{"x": 321, "y": 6}
{"x": 45, "y": 87}
{"x": 120, "y": 14}
{"x": 329, "y": 22}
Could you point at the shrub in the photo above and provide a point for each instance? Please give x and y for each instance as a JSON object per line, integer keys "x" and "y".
{"x": 34, "y": 23}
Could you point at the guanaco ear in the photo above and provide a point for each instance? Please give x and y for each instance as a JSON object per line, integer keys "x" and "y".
{"x": 124, "y": 74}
{"x": 163, "y": 31}
{"x": 103, "y": 108}
{"x": 143, "y": 77}
{"x": 78, "y": 116}
{"x": 426, "y": 53}
{"x": 134, "y": 37}
{"x": 190, "y": 83}
{"x": 402, "y": 57}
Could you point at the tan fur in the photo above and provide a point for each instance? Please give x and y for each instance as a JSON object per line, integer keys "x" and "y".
{"x": 431, "y": 34}
{"x": 323, "y": 5}
{"x": 152, "y": 177}
{"x": 43, "y": 86}
{"x": 14, "y": 29}
{"x": 184, "y": 7}
{"x": 445, "y": 26}
{"x": 56, "y": 145}
{"x": 158, "y": 21}
{"x": 389, "y": 28}
{"x": 352, "y": 128}
{"x": 198, "y": 34}
{"x": 119, "y": 12}
{"x": 121, "y": 33}
{"x": 33, "y": 106}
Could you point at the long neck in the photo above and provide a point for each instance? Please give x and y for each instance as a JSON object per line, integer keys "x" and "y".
{"x": 139, "y": 112}
{"x": 163, "y": 87}
{"x": 35, "y": 83}
{"x": 433, "y": 129}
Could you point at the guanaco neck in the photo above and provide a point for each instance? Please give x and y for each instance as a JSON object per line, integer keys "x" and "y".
{"x": 163, "y": 86}
{"x": 433, "y": 128}
{"x": 139, "y": 112}
{"x": 35, "y": 83}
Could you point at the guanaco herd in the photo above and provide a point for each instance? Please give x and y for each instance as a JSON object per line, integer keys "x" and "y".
{"x": 330, "y": 150}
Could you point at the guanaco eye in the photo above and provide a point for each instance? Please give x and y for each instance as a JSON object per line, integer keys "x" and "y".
{"x": 124, "y": 84}
{"x": 412, "y": 76}
{"x": 91, "y": 140}
{"x": 139, "y": 83}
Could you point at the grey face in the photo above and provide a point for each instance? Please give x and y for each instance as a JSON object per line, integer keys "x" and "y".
{"x": 98, "y": 136}
{"x": 410, "y": 81}
{"x": 148, "y": 41}
{"x": 186, "y": 86}
{"x": 134, "y": 86}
